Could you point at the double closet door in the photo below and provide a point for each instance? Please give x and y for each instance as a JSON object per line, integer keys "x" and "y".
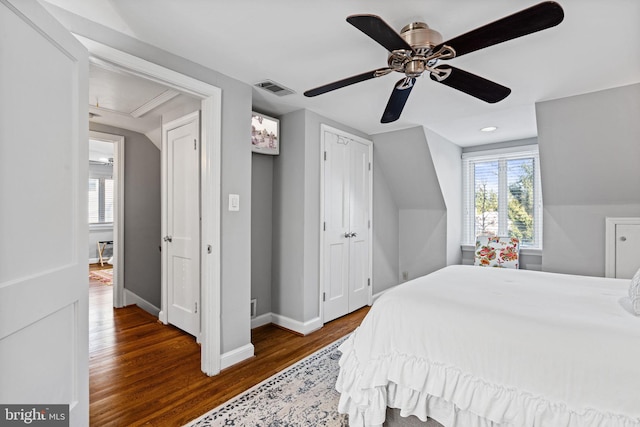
{"x": 346, "y": 261}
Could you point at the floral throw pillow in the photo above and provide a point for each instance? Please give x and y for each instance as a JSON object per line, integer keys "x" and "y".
{"x": 497, "y": 252}
{"x": 634, "y": 292}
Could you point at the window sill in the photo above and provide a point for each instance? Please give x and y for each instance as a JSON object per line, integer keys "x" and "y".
{"x": 523, "y": 251}
{"x": 101, "y": 227}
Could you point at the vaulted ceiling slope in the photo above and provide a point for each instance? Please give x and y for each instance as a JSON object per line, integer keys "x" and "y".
{"x": 303, "y": 44}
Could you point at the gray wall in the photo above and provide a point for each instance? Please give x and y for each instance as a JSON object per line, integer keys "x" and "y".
{"x": 236, "y": 170}
{"x": 261, "y": 230}
{"x": 407, "y": 165}
{"x": 141, "y": 213}
{"x": 447, "y": 160}
{"x": 589, "y": 155}
{"x": 386, "y": 229}
{"x": 288, "y": 219}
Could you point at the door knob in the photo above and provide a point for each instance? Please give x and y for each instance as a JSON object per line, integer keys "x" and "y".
{"x": 168, "y": 238}
{"x": 347, "y": 235}
{"x": 623, "y": 239}
{"x": 353, "y": 234}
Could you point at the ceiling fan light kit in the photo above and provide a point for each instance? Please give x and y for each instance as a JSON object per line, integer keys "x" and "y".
{"x": 418, "y": 49}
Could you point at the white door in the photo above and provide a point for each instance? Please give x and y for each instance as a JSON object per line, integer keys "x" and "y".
{"x": 336, "y": 225}
{"x": 346, "y": 235}
{"x": 627, "y": 250}
{"x": 43, "y": 212}
{"x": 182, "y": 238}
{"x": 359, "y": 220}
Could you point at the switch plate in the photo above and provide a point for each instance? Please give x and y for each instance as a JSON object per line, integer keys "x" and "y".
{"x": 234, "y": 202}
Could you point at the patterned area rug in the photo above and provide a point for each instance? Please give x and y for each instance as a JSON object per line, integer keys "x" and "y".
{"x": 302, "y": 395}
{"x": 102, "y": 276}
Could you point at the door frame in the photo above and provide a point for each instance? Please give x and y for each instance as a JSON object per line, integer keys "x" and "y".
{"x": 324, "y": 128}
{"x": 118, "y": 214}
{"x": 610, "y": 242}
{"x": 210, "y": 182}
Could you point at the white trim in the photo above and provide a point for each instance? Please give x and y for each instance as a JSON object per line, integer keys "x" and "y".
{"x": 237, "y": 355}
{"x": 324, "y": 128}
{"x": 303, "y": 328}
{"x": 154, "y": 103}
{"x": 610, "y": 242}
{"x": 523, "y": 251}
{"x": 263, "y": 319}
{"x": 501, "y": 155}
{"x": 132, "y": 299}
{"x": 211, "y": 125}
{"x": 516, "y": 151}
{"x": 118, "y": 211}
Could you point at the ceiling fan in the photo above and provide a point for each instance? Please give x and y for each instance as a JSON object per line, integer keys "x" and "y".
{"x": 419, "y": 49}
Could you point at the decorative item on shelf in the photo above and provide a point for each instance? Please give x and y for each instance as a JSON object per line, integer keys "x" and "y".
{"x": 265, "y": 134}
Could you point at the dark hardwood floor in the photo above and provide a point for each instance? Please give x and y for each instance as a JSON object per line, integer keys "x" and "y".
{"x": 145, "y": 373}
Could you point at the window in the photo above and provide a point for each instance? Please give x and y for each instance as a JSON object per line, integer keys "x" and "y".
{"x": 502, "y": 195}
{"x": 100, "y": 200}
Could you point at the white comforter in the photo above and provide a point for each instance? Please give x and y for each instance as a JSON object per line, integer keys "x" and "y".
{"x": 485, "y": 346}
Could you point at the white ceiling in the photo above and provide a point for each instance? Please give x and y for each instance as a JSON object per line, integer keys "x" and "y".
{"x": 126, "y": 101}
{"x": 303, "y": 44}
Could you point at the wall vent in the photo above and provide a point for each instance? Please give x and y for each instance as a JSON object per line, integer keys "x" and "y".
{"x": 274, "y": 88}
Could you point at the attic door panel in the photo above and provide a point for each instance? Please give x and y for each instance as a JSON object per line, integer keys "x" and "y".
{"x": 627, "y": 250}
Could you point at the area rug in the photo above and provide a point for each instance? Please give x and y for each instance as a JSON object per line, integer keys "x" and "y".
{"x": 302, "y": 395}
{"x": 102, "y": 276}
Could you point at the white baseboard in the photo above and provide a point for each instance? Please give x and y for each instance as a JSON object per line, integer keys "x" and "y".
{"x": 236, "y": 356}
{"x": 131, "y": 298}
{"x": 263, "y": 319}
{"x": 295, "y": 325}
{"x": 94, "y": 260}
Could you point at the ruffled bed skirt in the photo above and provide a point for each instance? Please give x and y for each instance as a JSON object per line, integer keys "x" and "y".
{"x": 455, "y": 399}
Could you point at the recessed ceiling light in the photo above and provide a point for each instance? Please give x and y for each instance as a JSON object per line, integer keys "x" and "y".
{"x": 488, "y": 129}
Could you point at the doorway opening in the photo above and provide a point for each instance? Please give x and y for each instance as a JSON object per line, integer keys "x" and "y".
{"x": 209, "y": 247}
{"x": 106, "y": 211}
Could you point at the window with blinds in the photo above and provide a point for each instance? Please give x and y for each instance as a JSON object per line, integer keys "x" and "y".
{"x": 502, "y": 196}
{"x": 100, "y": 200}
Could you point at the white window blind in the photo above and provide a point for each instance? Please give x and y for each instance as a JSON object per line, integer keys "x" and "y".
{"x": 502, "y": 195}
{"x": 100, "y": 200}
{"x": 94, "y": 200}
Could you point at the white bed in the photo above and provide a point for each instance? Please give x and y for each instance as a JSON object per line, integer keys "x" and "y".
{"x": 471, "y": 346}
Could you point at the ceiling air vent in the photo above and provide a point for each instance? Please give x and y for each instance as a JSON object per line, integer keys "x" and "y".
{"x": 274, "y": 88}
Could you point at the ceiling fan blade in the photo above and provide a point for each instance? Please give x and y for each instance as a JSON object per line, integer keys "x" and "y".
{"x": 347, "y": 82}
{"x": 398, "y": 98}
{"x": 470, "y": 84}
{"x": 535, "y": 18}
{"x": 380, "y": 31}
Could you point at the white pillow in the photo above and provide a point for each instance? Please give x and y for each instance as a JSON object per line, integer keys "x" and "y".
{"x": 634, "y": 292}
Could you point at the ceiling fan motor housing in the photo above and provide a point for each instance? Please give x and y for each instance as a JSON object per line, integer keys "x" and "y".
{"x": 422, "y": 39}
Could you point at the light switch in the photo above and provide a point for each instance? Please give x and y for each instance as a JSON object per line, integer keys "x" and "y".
{"x": 234, "y": 202}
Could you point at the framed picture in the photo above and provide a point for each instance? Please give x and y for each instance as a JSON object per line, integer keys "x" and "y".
{"x": 265, "y": 134}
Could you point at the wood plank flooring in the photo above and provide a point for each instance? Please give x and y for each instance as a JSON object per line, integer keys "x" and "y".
{"x": 145, "y": 373}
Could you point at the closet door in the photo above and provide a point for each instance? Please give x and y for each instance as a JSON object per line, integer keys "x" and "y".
{"x": 359, "y": 186}
{"x": 346, "y": 262}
